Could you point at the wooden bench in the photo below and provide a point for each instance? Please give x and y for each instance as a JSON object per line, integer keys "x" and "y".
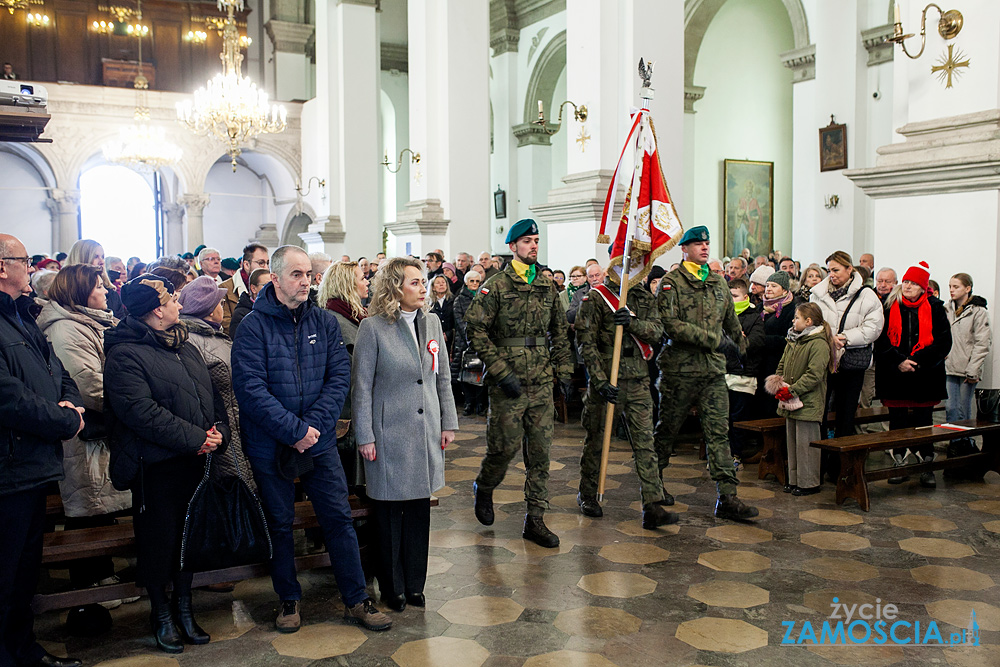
{"x": 773, "y": 455}
{"x": 119, "y": 540}
{"x": 853, "y": 451}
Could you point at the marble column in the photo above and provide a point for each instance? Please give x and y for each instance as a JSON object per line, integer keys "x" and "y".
{"x": 450, "y": 193}
{"x": 64, "y": 207}
{"x": 173, "y": 219}
{"x": 345, "y": 112}
{"x": 604, "y": 42}
{"x": 194, "y": 209}
{"x": 505, "y": 168}
{"x": 291, "y": 67}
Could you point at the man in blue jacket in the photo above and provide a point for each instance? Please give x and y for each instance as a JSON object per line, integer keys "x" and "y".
{"x": 291, "y": 374}
{"x": 37, "y": 411}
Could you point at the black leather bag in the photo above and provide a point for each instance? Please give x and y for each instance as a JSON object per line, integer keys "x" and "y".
{"x": 473, "y": 368}
{"x": 94, "y": 426}
{"x": 225, "y": 524}
{"x": 854, "y": 358}
{"x": 988, "y": 404}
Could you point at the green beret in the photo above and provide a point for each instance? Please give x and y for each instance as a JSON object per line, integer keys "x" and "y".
{"x": 695, "y": 234}
{"x": 231, "y": 264}
{"x": 526, "y": 227}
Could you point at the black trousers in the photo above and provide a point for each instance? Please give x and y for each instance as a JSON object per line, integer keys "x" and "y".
{"x": 88, "y": 571}
{"x": 159, "y": 500}
{"x": 741, "y": 408}
{"x": 403, "y": 528}
{"x": 911, "y": 418}
{"x": 22, "y": 521}
{"x": 843, "y": 393}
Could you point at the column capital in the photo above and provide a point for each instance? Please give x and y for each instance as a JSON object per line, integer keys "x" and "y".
{"x": 802, "y": 62}
{"x": 65, "y": 199}
{"x": 173, "y": 211}
{"x": 529, "y": 134}
{"x": 876, "y": 42}
{"x": 424, "y": 216}
{"x": 194, "y": 203}
{"x": 504, "y": 31}
{"x": 691, "y": 95}
{"x": 288, "y": 37}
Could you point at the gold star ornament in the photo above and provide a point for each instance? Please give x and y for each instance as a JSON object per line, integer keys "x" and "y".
{"x": 583, "y": 138}
{"x": 949, "y": 66}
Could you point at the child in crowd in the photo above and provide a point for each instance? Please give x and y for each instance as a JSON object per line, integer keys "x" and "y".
{"x": 741, "y": 372}
{"x": 799, "y": 384}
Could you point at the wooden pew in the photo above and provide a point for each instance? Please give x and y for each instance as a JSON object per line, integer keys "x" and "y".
{"x": 853, "y": 452}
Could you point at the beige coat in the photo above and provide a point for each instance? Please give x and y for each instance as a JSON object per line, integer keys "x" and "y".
{"x": 970, "y": 339}
{"x": 234, "y": 288}
{"x": 77, "y": 337}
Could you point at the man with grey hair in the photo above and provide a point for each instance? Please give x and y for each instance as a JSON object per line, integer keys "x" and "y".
{"x": 715, "y": 266}
{"x": 486, "y": 260}
{"x": 210, "y": 261}
{"x": 885, "y": 280}
{"x": 737, "y": 268}
{"x": 291, "y": 376}
{"x": 41, "y": 281}
{"x": 320, "y": 262}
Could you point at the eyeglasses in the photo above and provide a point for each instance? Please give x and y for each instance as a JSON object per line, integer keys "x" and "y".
{"x": 262, "y": 263}
{"x": 577, "y": 275}
{"x": 26, "y": 260}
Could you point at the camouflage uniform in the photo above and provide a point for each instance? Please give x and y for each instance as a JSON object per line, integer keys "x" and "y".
{"x": 694, "y": 314}
{"x": 521, "y": 329}
{"x": 595, "y": 335}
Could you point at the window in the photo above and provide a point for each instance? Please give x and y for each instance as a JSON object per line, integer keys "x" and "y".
{"x": 118, "y": 210}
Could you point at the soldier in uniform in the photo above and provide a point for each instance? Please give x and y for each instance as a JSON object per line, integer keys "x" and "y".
{"x": 695, "y": 308}
{"x": 518, "y": 327}
{"x": 595, "y": 334}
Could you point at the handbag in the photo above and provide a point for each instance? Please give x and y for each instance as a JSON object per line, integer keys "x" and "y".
{"x": 854, "y": 358}
{"x": 291, "y": 463}
{"x": 225, "y": 524}
{"x": 988, "y": 404}
{"x": 473, "y": 368}
{"x": 94, "y": 426}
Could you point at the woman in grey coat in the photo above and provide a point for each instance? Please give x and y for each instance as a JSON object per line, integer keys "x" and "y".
{"x": 404, "y": 416}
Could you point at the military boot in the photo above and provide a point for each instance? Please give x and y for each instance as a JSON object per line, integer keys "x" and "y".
{"x": 536, "y": 531}
{"x": 668, "y": 499}
{"x": 730, "y": 507}
{"x": 589, "y": 506}
{"x": 484, "y": 505}
{"x": 653, "y": 515}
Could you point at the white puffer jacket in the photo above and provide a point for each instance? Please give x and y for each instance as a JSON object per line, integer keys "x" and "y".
{"x": 865, "y": 319}
{"x": 971, "y": 338}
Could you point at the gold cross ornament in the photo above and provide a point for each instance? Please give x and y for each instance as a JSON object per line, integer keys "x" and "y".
{"x": 583, "y": 138}
{"x": 949, "y": 66}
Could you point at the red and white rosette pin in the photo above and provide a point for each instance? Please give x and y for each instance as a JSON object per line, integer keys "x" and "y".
{"x": 433, "y": 348}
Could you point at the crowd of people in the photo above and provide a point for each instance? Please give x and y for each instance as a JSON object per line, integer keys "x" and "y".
{"x": 120, "y": 376}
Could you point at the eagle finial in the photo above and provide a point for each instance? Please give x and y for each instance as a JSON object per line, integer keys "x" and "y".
{"x": 646, "y": 72}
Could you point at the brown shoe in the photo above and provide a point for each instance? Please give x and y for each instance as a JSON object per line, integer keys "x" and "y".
{"x": 289, "y": 619}
{"x": 365, "y": 614}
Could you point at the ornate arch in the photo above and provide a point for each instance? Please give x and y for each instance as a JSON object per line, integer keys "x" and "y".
{"x": 544, "y": 76}
{"x": 35, "y": 159}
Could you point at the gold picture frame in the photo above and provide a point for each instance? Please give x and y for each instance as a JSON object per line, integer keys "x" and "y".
{"x": 748, "y": 207}
{"x": 833, "y": 146}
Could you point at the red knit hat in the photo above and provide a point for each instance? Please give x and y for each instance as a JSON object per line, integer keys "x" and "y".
{"x": 919, "y": 274}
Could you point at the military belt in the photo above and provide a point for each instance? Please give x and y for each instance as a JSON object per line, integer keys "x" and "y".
{"x": 528, "y": 341}
{"x": 626, "y": 351}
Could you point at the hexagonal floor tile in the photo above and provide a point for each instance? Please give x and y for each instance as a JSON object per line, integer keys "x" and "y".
{"x": 869, "y": 656}
{"x": 322, "y": 640}
{"x": 617, "y": 584}
{"x": 634, "y": 528}
{"x": 822, "y": 600}
{"x": 724, "y": 635}
{"x": 437, "y": 565}
{"x": 737, "y": 594}
{"x": 512, "y": 575}
{"x": 453, "y": 475}
{"x": 923, "y": 523}
{"x": 979, "y": 489}
{"x": 226, "y": 624}
{"x": 454, "y": 539}
{"x": 754, "y": 493}
{"x": 561, "y": 521}
{"x": 481, "y": 611}
{"x": 734, "y": 561}
{"x": 936, "y": 548}
{"x": 958, "y": 613}
{"x": 678, "y": 489}
{"x": 739, "y": 534}
{"x": 568, "y": 659}
{"x": 531, "y": 551}
{"x": 676, "y": 507}
{"x": 441, "y": 652}
{"x": 992, "y": 526}
{"x": 444, "y": 492}
{"x": 830, "y": 517}
{"x": 682, "y": 472}
{"x": 467, "y": 461}
{"x": 973, "y": 656}
{"x": 840, "y": 569}
{"x": 597, "y": 622}
{"x": 503, "y": 497}
{"x": 910, "y": 503}
{"x": 466, "y": 435}
{"x": 989, "y": 506}
{"x": 633, "y": 554}
{"x": 553, "y": 465}
{"x": 609, "y": 483}
{"x": 954, "y": 578}
{"x": 141, "y": 661}
{"x": 832, "y": 541}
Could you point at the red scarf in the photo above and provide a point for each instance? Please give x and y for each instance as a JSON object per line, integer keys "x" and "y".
{"x": 344, "y": 308}
{"x": 925, "y": 334}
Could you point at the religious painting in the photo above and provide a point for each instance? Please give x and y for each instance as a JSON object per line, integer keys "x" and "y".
{"x": 832, "y": 147}
{"x": 748, "y": 204}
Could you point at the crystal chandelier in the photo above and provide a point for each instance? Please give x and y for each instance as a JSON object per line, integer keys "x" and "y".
{"x": 230, "y": 108}
{"x": 11, "y": 5}
{"x": 140, "y": 146}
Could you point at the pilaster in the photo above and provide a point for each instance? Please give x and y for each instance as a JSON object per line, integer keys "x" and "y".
{"x": 64, "y": 207}
{"x": 876, "y": 42}
{"x": 194, "y": 209}
{"x": 802, "y": 62}
{"x": 174, "y": 223}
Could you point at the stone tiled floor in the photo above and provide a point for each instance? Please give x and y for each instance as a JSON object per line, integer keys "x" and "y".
{"x": 702, "y": 592}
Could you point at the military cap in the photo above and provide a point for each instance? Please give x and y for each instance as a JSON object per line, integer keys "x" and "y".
{"x": 231, "y": 264}
{"x": 525, "y": 227}
{"x": 699, "y": 233}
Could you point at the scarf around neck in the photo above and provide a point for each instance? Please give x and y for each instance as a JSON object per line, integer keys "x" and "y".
{"x": 794, "y": 335}
{"x": 344, "y": 308}
{"x": 840, "y": 292}
{"x": 526, "y": 271}
{"x": 173, "y": 338}
{"x": 777, "y": 304}
{"x": 742, "y": 305}
{"x": 699, "y": 271}
{"x": 925, "y": 335}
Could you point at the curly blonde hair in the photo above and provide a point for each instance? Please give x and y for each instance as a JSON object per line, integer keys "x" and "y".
{"x": 389, "y": 286}
{"x": 340, "y": 282}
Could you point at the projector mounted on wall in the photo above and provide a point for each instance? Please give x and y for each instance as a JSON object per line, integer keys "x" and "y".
{"x": 22, "y": 111}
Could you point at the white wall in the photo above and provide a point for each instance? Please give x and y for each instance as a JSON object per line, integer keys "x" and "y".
{"x": 25, "y": 214}
{"x": 230, "y": 222}
{"x": 746, "y": 112}
{"x": 395, "y": 87}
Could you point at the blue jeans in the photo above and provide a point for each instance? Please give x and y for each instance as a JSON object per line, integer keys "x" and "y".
{"x": 960, "y": 394}
{"x": 326, "y": 487}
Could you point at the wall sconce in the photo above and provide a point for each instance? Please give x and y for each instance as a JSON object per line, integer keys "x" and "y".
{"x": 103, "y": 27}
{"x": 414, "y": 158}
{"x": 579, "y": 114}
{"x": 196, "y": 36}
{"x": 38, "y": 20}
{"x": 319, "y": 181}
{"x": 245, "y": 41}
{"x": 949, "y": 25}
{"x": 832, "y": 201}
{"x": 138, "y": 29}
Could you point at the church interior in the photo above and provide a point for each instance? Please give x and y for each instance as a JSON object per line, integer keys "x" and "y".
{"x": 406, "y": 126}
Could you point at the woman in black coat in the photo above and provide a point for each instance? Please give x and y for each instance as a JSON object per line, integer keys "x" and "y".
{"x": 442, "y": 305}
{"x": 162, "y": 414}
{"x": 909, "y": 360}
{"x": 777, "y": 313}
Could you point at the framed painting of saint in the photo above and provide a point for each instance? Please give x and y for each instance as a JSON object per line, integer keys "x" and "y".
{"x": 748, "y": 207}
{"x": 833, "y": 146}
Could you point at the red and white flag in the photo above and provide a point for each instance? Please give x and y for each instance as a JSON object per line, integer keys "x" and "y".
{"x": 648, "y": 215}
